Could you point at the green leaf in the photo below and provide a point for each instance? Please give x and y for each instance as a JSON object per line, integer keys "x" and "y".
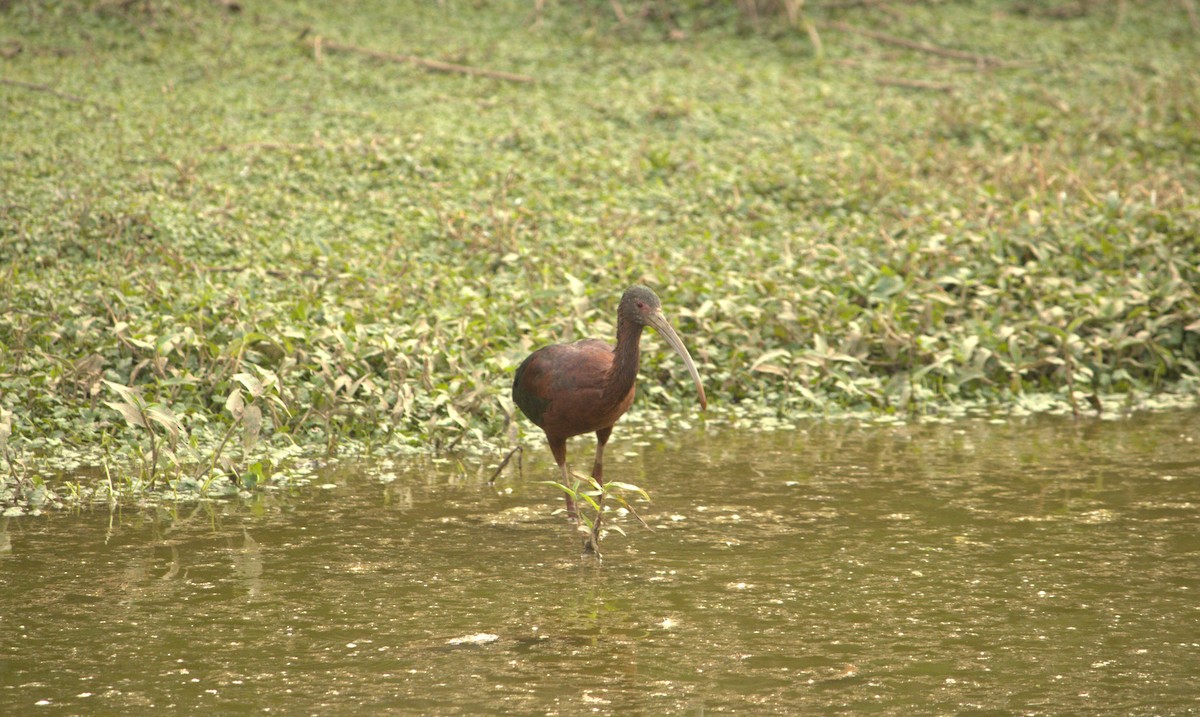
{"x": 626, "y": 487}
{"x": 762, "y": 363}
{"x": 132, "y": 414}
{"x": 251, "y": 425}
{"x": 560, "y": 486}
{"x": 6, "y": 417}
{"x": 235, "y": 404}
{"x": 253, "y": 385}
{"x": 576, "y": 286}
{"x": 127, "y": 394}
{"x": 165, "y": 418}
{"x": 275, "y": 399}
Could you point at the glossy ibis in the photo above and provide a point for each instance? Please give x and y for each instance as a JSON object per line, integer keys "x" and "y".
{"x": 584, "y": 387}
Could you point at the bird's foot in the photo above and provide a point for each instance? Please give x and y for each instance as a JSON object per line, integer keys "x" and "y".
{"x": 591, "y": 546}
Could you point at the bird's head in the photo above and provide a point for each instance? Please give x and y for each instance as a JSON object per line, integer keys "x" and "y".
{"x": 638, "y": 304}
{"x": 641, "y": 306}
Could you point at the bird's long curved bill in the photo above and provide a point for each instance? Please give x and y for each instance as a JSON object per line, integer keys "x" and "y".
{"x": 658, "y": 321}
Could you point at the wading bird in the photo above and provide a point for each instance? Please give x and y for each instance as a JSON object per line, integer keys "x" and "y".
{"x": 584, "y": 387}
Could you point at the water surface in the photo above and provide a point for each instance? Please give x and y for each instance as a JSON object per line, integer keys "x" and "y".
{"x": 1036, "y": 566}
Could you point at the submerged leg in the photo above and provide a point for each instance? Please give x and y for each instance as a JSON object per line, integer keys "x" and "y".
{"x": 558, "y": 446}
{"x": 591, "y": 544}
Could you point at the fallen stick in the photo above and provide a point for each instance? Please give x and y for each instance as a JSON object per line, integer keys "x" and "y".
{"x": 1190, "y": 7}
{"x": 1054, "y": 101}
{"x": 920, "y": 46}
{"x": 320, "y": 45}
{"x": 619, "y": 11}
{"x": 914, "y": 84}
{"x": 844, "y": 4}
{"x": 51, "y": 91}
{"x": 517, "y": 449}
{"x": 258, "y": 145}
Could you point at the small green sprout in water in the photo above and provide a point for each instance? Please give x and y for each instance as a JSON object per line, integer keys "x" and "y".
{"x": 588, "y": 493}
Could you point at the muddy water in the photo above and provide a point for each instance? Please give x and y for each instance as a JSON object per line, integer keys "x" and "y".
{"x": 1038, "y": 566}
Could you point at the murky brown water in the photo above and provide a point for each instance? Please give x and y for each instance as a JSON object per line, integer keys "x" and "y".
{"x": 1042, "y": 566}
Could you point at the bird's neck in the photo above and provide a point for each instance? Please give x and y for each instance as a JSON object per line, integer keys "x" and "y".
{"x": 626, "y": 359}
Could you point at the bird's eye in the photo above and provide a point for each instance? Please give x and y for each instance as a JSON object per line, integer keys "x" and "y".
{"x": 641, "y": 305}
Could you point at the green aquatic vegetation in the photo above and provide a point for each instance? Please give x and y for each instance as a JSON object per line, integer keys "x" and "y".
{"x": 190, "y": 197}
{"x": 163, "y": 430}
{"x": 157, "y": 420}
{"x": 244, "y": 405}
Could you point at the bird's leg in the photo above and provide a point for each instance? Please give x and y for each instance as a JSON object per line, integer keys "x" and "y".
{"x": 572, "y": 514}
{"x": 559, "y": 448}
{"x": 598, "y": 465}
{"x": 592, "y": 543}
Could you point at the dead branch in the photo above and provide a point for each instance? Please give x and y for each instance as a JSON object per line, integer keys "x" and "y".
{"x": 36, "y": 87}
{"x": 313, "y": 109}
{"x": 1054, "y": 101}
{"x": 914, "y": 84}
{"x": 1190, "y": 7}
{"x": 920, "y": 46}
{"x": 274, "y": 273}
{"x": 886, "y": 7}
{"x": 319, "y": 45}
{"x": 258, "y": 145}
{"x": 517, "y": 449}
{"x": 876, "y": 4}
{"x": 619, "y": 11}
{"x": 845, "y": 4}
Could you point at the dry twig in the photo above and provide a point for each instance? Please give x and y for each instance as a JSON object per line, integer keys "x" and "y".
{"x": 291, "y": 147}
{"x": 516, "y": 449}
{"x": 876, "y": 4}
{"x": 36, "y": 87}
{"x": 914, "y": 84}
{"x": 619, "y": 11}
{"x": 1190, "y": 7}
{"x": 319, "y": 44}
{"x": 978, "y": 59}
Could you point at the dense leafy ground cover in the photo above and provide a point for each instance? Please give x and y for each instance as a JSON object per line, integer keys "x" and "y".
{"x": 225, "y": 238}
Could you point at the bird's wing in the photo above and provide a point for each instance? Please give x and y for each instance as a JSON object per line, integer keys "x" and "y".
{"x": 561, "y": 373}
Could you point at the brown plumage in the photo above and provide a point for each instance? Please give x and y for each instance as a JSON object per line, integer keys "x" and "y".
{"x": 584, "y": 387}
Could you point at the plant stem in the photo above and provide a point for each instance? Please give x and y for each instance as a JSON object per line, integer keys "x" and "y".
{"x": 212, "y": 461}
